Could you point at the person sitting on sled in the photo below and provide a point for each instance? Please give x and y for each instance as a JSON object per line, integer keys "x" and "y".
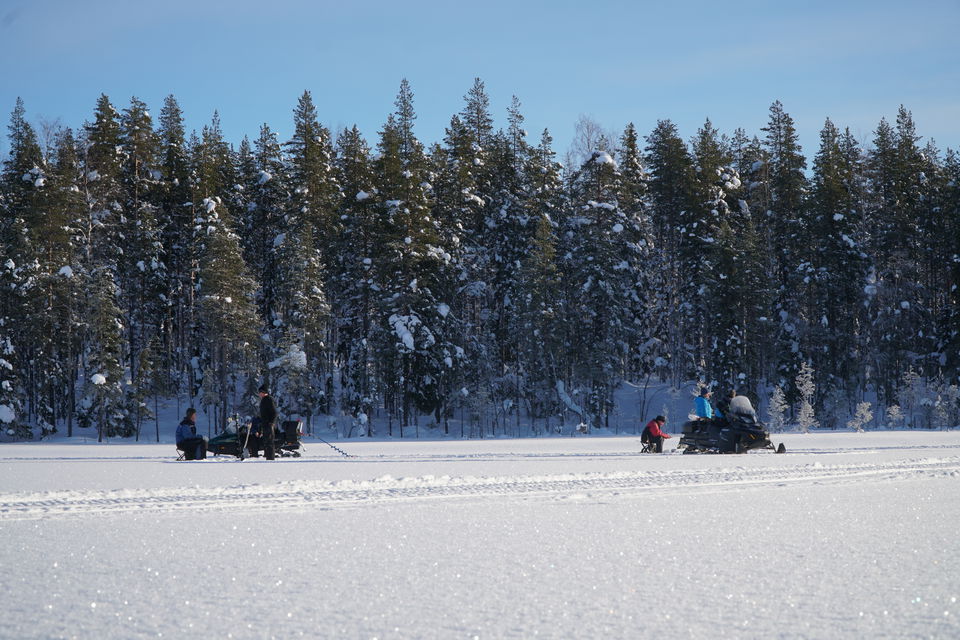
{"x": 194, "y": 447}
{"x": 653, "y": 433}
{"x": 703, "y": 408}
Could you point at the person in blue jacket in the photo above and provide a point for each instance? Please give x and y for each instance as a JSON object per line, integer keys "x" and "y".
{"x": 194, "y": 447}
{"x": 703, "y": 408}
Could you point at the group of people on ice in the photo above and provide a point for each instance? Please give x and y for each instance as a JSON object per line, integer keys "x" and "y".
{"x": 730, "y": 407}
{"x": 194, "y": 446}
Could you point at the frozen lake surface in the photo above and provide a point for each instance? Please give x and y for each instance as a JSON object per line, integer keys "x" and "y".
{"x": 849, "y": 535}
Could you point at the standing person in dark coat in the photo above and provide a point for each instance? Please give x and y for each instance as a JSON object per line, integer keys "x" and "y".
{"x": 194, "y": 447}
{"x": 268, "y": 420}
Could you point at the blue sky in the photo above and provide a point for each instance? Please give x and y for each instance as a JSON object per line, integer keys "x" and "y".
{"x": 614, "y": 61}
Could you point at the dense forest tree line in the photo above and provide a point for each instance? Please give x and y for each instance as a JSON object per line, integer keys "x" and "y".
{"x": 470, "y": 277}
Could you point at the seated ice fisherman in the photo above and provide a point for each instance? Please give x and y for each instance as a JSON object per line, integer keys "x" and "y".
{"x": 653, "y": 433}
{"x": 703, "y": 409}
{"x": 194, "y": 447}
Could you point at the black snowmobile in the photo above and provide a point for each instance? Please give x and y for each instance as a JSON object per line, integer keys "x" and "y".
{"x": 733, "y": 434}
{"x": 236, "y": 441}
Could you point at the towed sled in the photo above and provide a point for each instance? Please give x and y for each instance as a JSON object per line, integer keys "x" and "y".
{"x": 736, "y": 434}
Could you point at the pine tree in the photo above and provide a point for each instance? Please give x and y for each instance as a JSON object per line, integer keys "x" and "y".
{"x": 837, "y": 264}
{"x": 950, "y": 318}
{"x": 900, "y": 303}
{"x": 354, "y": 274}
{"x": 672, "y": 196}
{"x": 23, "y": 203}
{"x": 782, "y": 187}
{"x": 104, "y": 191}
{"x": 415, "y": 342}
{"x": 143, "y": 273}
{"x": 538, "y": 317}
{"x": 23, "y": 175}
{"x": 227, "y": 313}
{"x": 103, "y": 404}
{"x": 175, "y": 219}
{"x": 267, "y": 201}
{"x": 54, "y": 299}
{"x": 316, "y": 192}
{"x": 302, "y": 312}
{"x": 10, "y": 407}
{"x": 509, "y": 231}
{"x": 602, "y": 260}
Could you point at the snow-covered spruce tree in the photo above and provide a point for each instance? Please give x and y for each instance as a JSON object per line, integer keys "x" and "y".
{"x": 353, "y": 275}
{"x": 143, "y": 275}
{"x": 23, "y": 176}
{"x": 214, "y": 167}
{"x": 416, "y": 345}
{"x": 601, "y": 259}
{"x": 302, "y": 314}
{"x": 316, "y": 193}
{"x": 786, "y": 187}
{"x": 837, "y": 264}
{"x": 777, "y": 410}
{"x": 950, "y": 317}
{"x": 54, "y": 298}
{"x": 213, "y": 180}
{"x": 538, "y": 319}
{"x": 11, "y": 421}
{"x": 227, "y": 314}
{"x": 23, "y": 203}
{"x": 509, "y": 232}
{"x": 315, "y": 202}
{"x": 671, "y": 188}
{"x": 175, "y": 219}
{"x": 899, "y": 304}
{"x": 460, "y": 210}
{"x": 266, "y": 200}
{"x": 103, "y": 188}
{"x": 10, "y": 408}
{"x": 805, "y": 389}
{"x": 730, "y": 280}
{"x": 102, "y": 404}
{"x": 537, "y": 323}
{"x": 464, "y": 192}
{"x": 645, "y": 347}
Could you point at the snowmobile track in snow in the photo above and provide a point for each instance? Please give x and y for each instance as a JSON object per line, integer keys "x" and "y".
{"x": 310, "y": 495}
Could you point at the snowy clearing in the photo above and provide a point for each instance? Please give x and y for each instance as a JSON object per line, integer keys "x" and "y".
{"x": 848, "y": 535}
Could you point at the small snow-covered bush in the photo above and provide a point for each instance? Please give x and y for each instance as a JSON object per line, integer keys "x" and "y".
{"x": 777, "y": 410}
{"x": 862, "y": 417}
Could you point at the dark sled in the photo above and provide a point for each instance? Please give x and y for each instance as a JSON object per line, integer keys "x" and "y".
{"x": 229, "y": 443}
{"x": 286, "y": 439}
{"x": 737, "y": 434}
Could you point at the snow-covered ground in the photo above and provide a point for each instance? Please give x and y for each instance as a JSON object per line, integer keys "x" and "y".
{"x": 849, "y": 535}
